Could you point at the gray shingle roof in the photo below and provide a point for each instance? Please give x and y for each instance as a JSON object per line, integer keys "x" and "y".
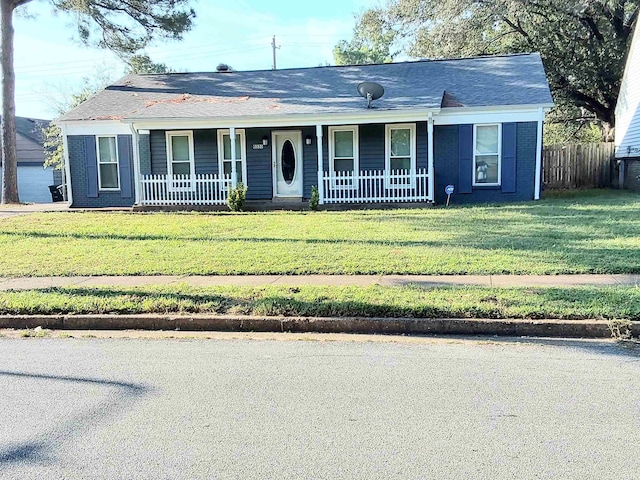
{"x": 471, "y": 82}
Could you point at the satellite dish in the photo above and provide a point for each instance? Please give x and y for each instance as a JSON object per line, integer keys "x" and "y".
{"x": 371, "y": 91}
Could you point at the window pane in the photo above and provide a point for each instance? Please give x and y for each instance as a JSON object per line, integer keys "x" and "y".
{"x": 227, "y": 170}
{"x": 181, "y": 168}
{"x": 180, "y": 148}
{"x": 400, "y": 143}
{"x": 487, "y": 139}
{"x": 109, "y": 175}
{"x": 487, "y": 169}
{"x": 401, "y": 163}
{"x": 226, "y": 144}
{"x": 107, "y": 150}
{"x": 344, "y": 165}
{"x": 343, "y": 144}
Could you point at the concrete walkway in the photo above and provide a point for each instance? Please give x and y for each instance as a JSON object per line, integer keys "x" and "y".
{"x": 324, "y": 280}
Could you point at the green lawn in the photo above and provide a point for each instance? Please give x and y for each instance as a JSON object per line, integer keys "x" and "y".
{"x": 621, "y": 303}
{"x": 590, "y": 232}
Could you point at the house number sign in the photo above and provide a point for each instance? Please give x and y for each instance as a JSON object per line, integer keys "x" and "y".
{"x": 258, "y": 146}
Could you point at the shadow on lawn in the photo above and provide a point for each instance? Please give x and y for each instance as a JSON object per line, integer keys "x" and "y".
{"x": 420, "y": 302}
{"x": 40, "y": 450}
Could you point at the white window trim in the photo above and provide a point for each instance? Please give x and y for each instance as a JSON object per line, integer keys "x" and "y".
{"x": 475, "y": 154}
{"x": 356, "y": 155}
{"x": 192, "y": 162}
{"x": 243, "y": 152}
{"x": 387, "y": 153}
{"x": 98, "y": 137}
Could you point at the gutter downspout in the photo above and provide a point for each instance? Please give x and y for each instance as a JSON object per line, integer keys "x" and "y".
{"x": 66, "y": 166}
{"x": 136, "y": 163}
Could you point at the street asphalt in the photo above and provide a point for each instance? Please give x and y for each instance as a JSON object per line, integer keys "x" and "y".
{"x": 80, "y": 408}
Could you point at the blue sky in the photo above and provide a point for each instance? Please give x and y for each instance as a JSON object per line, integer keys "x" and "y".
{"x": 50, "y": 64}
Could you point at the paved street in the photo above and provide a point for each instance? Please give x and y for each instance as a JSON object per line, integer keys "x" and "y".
{"x": 248, "y": 409}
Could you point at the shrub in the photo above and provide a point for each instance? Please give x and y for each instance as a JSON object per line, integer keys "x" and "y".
{"x": 237, "y": 197}
{"x": 315, "y": 198}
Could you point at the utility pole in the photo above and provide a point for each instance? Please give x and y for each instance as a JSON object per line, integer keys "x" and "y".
{"x": 274, "y": 48}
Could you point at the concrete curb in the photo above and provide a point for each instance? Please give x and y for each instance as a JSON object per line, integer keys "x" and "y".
{"x": 409, "y": 326}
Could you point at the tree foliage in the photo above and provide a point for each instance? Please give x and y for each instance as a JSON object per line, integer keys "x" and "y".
{"x": 583, "y": 43}
{"x": 372, "y": 42}
{"x": 142, "y": 63}
{"x": 52, "y": 134}
{"x": 124, "y": 26}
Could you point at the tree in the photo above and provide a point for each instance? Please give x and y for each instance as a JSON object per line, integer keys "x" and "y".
{"x": 62, "y": 103}
{"x": 124, "y": 26}
{"x": 371, "y": 43}
{"x": 139, "y": 64}
{"x": 583, "y": 43}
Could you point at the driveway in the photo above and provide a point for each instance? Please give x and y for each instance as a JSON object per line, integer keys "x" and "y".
{"x": 23, "y": 209}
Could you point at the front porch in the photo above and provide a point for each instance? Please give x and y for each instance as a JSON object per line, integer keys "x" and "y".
{"x": 355, "y": 164}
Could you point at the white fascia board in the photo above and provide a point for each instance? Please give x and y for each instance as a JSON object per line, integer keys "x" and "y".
{"x": 463, "y": 116}
{"x": 370, "y": 116}
{"x": 93, "y": 127}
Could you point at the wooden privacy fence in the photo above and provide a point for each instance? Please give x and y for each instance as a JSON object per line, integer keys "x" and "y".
{"x": 585, "y": 165}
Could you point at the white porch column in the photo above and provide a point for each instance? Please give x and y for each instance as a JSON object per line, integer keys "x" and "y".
{"x": 538, "y": 179}
{"x": 66, "y": 166}
{"x": 432, "y": 180}
{"x": 320, "y": 163}
{"x": 232, "y": 139}
{"x": 135, "y": 140}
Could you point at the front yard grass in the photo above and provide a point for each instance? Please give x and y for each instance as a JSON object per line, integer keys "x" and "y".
{"x": 622, "y": 303}
{"x": 588, "y": 232}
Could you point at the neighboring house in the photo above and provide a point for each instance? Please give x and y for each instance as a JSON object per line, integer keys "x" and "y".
{"x": 33, "y": 178}
{"x": 166, "y": 139}
{"x": 627, "y": 129}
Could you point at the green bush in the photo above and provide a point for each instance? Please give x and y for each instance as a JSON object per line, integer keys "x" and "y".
{"x": 237, "y": 197}
{"x": 315, "y": 198}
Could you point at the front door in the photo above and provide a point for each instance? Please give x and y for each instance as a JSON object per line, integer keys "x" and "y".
{"x": 287, "y": 163}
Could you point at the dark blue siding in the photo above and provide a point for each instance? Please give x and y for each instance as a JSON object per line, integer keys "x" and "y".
{"x": 158, "y": 152}
{"x": 259, "y": 182}
{"x": 79, "y": 179}
{"x": 205, "y": 151}
{"x": 446, "y": 165}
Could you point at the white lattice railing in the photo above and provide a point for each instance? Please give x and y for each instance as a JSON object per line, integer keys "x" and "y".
{"x": 205, "y": 189}
{"x": 376, "y": 186}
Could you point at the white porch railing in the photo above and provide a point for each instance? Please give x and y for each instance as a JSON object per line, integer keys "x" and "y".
{"x": 369, "y": 186}
{"x": 205, "y": 189}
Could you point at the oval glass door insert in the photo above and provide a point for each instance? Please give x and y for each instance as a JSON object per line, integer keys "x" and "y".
{"x": 288, "y": 162}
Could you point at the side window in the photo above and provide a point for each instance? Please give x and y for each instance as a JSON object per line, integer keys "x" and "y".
{"x": 180, "y": 153}
{"x": 343, "y": 153}
{"x": 108, "y": 174}
{"x": 486, "y": 154}
{"x": 400, "y": 158}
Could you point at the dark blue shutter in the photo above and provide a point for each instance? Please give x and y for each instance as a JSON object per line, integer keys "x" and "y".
{"x": 508, "y": 158}
{"x": 124, "y": 159}
{"x": 465, "y": 158}
{"x": 91, "y": 166}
